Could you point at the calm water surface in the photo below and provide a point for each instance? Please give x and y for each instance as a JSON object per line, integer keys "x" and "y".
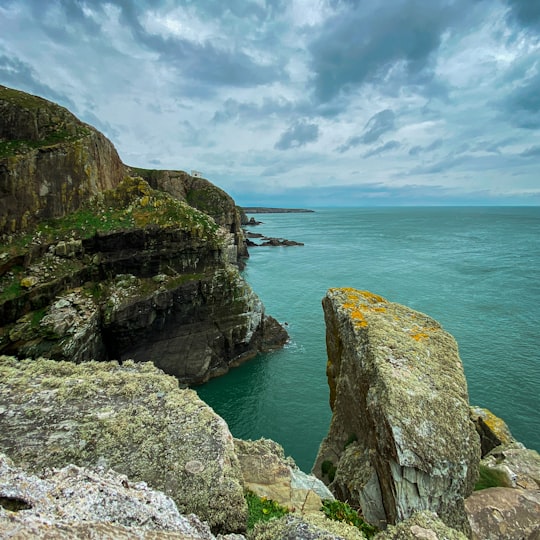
{"x": 475, "y": 270}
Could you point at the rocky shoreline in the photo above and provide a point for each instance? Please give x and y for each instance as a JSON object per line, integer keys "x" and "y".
{"x": 123, "y": 289}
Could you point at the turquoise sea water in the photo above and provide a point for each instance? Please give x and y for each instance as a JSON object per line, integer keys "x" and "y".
{"x": 475, "y": 270}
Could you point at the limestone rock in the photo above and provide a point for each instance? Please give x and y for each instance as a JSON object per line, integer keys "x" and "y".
{"x": 131, "y": 418}
{"x": 504, "y": 514}
{"x": 421, "y": 526}
{"x": 401, "y": 439}
{"x": 79, "y": 502}
{"x": 269, "y": 474}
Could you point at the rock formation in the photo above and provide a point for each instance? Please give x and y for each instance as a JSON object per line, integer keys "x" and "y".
{"x": 125, "y": 270}
{"x": 50, "y": 162}
{"x": 401, "y": 439}
{"x": 76, "y": 502}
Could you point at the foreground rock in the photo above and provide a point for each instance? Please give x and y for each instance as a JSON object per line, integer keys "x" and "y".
{"x": 76, "y": 502}
{"x": 504, "y": 514}
{"x": 131, "y": 418}
{"x": 401, "y": 439}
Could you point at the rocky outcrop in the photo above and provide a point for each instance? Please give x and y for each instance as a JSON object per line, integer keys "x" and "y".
{"x": 267, "y": 473}
{"x": 401, "y": 439}
{"x": 50, "y": 162}
{"x": 203, "y": 195}
{"x": 158, "y": 285}
{"x": 131, "y": 418}
{"x": 76, "y": 502}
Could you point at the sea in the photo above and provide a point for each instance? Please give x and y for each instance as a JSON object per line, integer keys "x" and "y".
{"x": 475, "y": 270}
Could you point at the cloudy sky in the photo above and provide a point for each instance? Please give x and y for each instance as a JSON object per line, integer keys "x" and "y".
{"x": 300, "y": 102}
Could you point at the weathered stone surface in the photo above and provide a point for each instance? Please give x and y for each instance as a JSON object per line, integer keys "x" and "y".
{"x": 519, "y": 466}
{"x": 268, "y": 473}
{"x": 493, "y": 430}
{"x": 50, "y": 162}
{"x": 76, "y": 502}
{"x": 401, "y": 439}
{"x": 131, "y": 418}
{"x": 313, "y": 526}
{"x": 421, "y": 526}
{"x": 504, "y": 514}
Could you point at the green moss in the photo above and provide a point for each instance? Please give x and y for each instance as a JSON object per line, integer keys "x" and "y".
{"x": 341, "y": 511}
{"x": 490, "y": 478}
{"x": 262, "y": 509}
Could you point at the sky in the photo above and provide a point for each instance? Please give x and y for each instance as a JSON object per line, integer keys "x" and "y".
{"x": 300, "y": 102}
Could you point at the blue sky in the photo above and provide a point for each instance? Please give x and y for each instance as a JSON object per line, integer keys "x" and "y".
{"x": 297, "y": 102}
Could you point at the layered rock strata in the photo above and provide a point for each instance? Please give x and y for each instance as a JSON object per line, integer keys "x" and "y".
{"x": 401, "y": 439}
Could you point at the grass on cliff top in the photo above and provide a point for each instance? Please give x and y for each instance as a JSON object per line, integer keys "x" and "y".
{"x": 133, "y": 204}
{"x": 262, "y": 509}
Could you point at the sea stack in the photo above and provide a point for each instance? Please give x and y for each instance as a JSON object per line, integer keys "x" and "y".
{"x": 401, "y": 439}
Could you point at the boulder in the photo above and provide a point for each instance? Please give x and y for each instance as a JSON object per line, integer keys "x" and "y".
{"x": 401, "y": 439}
{"x": 131, "y": 418}
{"x": 75, "y": 502}
{"x": 268, "y": 473}
{"x": 493, "y": 430}
{"x": 504, "y": 514}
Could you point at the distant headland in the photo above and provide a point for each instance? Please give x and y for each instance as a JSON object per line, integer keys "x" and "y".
{"x": 263, "y": 210}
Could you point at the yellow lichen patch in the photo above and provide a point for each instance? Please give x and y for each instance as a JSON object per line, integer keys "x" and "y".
{"x": 422, "y": 333}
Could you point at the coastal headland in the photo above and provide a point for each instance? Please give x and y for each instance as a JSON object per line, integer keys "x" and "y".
{"x": 120, "y": 287}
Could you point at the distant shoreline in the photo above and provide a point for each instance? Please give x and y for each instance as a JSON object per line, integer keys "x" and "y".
{"x": 264, "y": 210}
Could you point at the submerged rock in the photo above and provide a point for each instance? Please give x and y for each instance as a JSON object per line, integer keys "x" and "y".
{"x": 131, "y": 418}
{"x": 401, "y": 439}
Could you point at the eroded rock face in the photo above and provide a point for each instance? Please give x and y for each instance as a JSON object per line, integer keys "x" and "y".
{"x": 76, "y": 502}
{"x": 421, "y": 526}
{"x": 131, "y": 418}
{"x": 401, "y": 439}
{"x": 50, "y": 162}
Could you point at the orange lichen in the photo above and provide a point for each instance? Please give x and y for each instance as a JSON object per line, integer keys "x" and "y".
{"x": 421, "y": 333}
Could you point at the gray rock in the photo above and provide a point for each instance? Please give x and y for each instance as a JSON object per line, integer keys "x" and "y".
{"x": 401, "y": 439}
{"x": 504, "y": 514}
{"x": 83, "y": 501}
{"x": 131, "y": 418}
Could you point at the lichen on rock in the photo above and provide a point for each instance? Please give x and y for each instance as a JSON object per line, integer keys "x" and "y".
{"x": 131, "y": 418}
{"x": 401, "y": 439}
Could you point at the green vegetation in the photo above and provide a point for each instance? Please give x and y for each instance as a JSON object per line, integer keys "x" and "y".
{"x": 328, "y": 469}
{"x": 341, "y": 511}
{"x": 490, "y": 478}
{"x": 262, "y": 509}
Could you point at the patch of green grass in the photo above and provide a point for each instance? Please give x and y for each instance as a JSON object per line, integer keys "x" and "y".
{"x": 341, "y": 511}
{"x": 37, "y": 316}
{"x": 262, "y": 509}
{"x": 490, "y": 478}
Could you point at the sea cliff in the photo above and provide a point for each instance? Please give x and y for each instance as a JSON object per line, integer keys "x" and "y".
{"x": 103, "y": 261}
{"x": 120, "y": 286}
